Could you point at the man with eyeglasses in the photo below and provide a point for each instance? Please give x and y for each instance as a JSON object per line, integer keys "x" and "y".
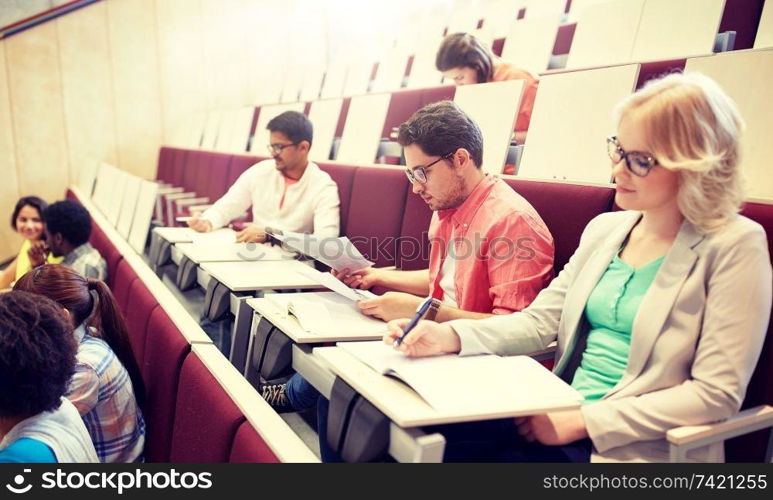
{"x": 491, "y": 253}
{"x": 286, "y": 192}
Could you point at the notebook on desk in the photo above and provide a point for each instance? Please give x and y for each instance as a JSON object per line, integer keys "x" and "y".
{"x": 486, "y": 383}
{"x": 326, "y": 313}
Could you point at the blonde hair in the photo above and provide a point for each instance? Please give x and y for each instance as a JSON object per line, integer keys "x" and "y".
{"x": 692, "y": 127}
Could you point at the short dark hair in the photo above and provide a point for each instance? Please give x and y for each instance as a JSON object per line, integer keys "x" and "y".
{"x": 37, "y": 354}
{"x": 465, "y": 50}
{"x": 70, "y": 219}
{"x": 441, "y": 128}
{"x": 27, "y": 201}
{"x": 294, "y": 125}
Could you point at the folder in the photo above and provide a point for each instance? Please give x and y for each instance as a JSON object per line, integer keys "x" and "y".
{"x": 483, "y": 384}
{"x": 326, "y": 313}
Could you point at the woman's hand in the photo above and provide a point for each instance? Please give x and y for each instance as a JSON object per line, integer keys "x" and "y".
{"x": 426, "y": 339}
{"x": 554, "y": 429}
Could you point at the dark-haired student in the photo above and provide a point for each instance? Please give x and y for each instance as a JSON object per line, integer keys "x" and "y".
{"x": 107, "y": 387}
{"x": 490, "y": 252}
{"x": 68, "y": 227}
{"x": 287, "y": 192}
{"x": 466, "y": 60}
{"x": 27, "y": 220}
{"x": 37, "y": 359}
{"x": 660, "y": 314}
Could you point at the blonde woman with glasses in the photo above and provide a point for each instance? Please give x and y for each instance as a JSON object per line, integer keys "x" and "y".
{"x": 661, "y": 313}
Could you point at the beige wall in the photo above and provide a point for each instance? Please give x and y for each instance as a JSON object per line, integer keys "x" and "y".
{"x": 9, "y": 188}
{"x": 78, "y": 90}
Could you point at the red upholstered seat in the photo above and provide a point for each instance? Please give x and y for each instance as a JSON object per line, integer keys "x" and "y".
{"x": 497, "y": 46}
{"x": 177, "y": 161}
{"x": 342, "y": 119}
{"x": 109, "y": 252}
{"x": 217, "y": 177}
{"x": 209, "y": 177}
{"x": 413, "y": 247}
{"x": 239, "y": 165}
{"x": 403, "y": 104}
{"x": 70, "y": 195}
{"x": 751, "y": 448}
{"x": 435, "y": 94}
{"x": 139, "y": 307}
{"x": 122, "y": 283}
{"x": 162, "y": 362}
{"x": 566, "y": 209}
{"x": 206, "y": 418}
{"x": 164, "y": 168}
{"x": 194, "y": 174}
{"x": 343, "y": 175}
{"x": 249, "y": 447}
{"x": 376, "y": 212}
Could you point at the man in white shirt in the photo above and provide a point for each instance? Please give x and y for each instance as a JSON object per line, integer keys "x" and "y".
{"x": 287, "y": 192}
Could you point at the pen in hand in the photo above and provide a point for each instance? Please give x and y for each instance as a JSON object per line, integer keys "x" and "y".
{"x": 420, "y": 312}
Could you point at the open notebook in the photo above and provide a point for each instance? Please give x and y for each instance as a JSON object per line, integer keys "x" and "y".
{"x": 327, "y": 313}
{"x": 485, "y": 383}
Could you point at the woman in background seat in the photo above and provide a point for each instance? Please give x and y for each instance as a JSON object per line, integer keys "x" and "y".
{"x": 27, "y": 220}
{"x": 466, "y": 60}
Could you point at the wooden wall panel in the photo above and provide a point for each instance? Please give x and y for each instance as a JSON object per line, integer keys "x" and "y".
{"x": 132, "y": 32}
{"x": 84, "y": 52}
{"x": 35, "y": 87}
{"x": 181, "y": 68}
{"x": 9, "y": 188}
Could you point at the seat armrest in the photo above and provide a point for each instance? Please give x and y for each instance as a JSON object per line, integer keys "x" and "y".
{"x": 199, "y": 208}
{"x": 191, "y": 201}
{"x": 547, "y": 353}
{"x": 685, "y": 438}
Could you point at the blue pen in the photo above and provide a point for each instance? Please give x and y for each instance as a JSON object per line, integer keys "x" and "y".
{"x": 420, "y": 312}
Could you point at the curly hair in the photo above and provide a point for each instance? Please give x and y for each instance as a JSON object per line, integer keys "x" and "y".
{"x": 37, "y": 354}
{"x": 693, "y": 128}
{"x": 70, "y": 219}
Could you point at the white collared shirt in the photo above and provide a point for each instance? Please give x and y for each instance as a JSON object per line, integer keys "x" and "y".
{"x": 311, "y": 205}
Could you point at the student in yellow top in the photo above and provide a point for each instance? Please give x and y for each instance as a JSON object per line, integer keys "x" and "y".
{"x": 27, "y": 220}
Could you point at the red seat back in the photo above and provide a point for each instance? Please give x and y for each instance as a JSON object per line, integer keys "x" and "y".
{"x": 217, "y": 177}
{"x": 162, "y": 362}
{"x": 124, "y": 277}
{"x": 343, "y": 175}
{"x": 249, "y": 447}
{"x": 109, "y": 252}
{"x": 376, "y": 212}
{"x": 566, "y": 210}
{"x": 206, "y": 418}
{"x": 751, "y": 448}
{"x": 413, "y": 247}
{"x": 139, "y": 307}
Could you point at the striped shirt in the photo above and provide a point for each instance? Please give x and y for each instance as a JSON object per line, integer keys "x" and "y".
{"x": 87, "y": 261}
{"x": 101, "y": 390}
